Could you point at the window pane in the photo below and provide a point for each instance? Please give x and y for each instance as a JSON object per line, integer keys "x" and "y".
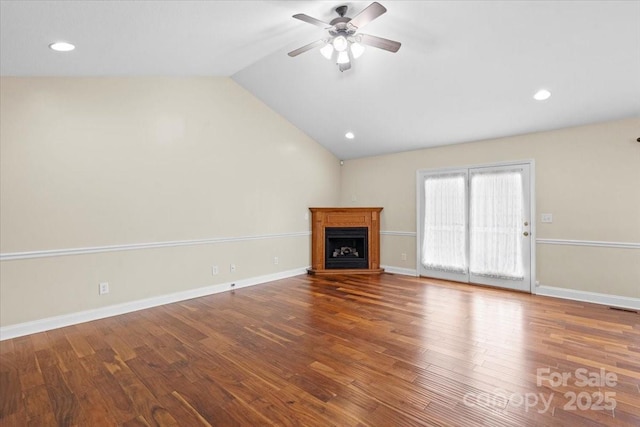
{"x": 444, "y": 241}
{"x": 496, "y": 225}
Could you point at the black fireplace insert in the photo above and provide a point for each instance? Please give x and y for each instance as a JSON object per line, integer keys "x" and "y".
{"x": 346, "y": 247}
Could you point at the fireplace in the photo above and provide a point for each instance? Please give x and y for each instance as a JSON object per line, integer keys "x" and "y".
{"x": 345, "y": 240}
{"x": 346, "y": 247}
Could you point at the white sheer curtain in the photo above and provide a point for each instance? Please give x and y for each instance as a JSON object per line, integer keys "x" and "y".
{"x": 496, "y": 225}
{"x": 444, "y": 236}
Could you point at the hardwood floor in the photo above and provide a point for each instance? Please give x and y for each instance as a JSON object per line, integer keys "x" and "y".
{"x": 333, "y": 350}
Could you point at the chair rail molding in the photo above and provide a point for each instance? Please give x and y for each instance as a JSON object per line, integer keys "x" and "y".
{"x": 591, "y": 243}
{"x": 12, "y": 256}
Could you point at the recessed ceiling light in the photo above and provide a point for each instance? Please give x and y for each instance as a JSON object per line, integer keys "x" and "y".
{"x": 349, "y": 135}
{"x": 62, "y": 46}
{"x": 541, "y": 95}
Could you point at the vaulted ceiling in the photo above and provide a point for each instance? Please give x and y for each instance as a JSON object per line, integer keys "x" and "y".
{"x": 466, "y": 71}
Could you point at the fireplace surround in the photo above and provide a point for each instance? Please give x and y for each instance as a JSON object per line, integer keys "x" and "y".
{"x": 345, "y": 240}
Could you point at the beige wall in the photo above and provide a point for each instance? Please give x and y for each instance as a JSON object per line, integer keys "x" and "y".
{"x": 113, "y": 161}
{"x": 587, "y": 177}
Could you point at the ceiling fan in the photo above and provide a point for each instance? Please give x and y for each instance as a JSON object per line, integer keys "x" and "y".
{"x": 344, "y": 42}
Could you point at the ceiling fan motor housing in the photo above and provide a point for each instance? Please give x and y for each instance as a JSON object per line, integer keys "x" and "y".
{"x": 340, "y": 24}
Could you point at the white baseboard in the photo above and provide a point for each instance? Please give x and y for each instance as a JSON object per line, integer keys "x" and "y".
{"x": 597, "y": 298}
{"x": 550, "y": 291}
{"x": 41, "y": 325}
{"x": 400, "y": 270}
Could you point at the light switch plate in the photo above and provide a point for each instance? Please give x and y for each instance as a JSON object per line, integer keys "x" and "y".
{"x": 547, "y": 217}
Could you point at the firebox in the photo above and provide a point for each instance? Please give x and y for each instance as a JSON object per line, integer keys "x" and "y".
{"x": 346, "y": 247}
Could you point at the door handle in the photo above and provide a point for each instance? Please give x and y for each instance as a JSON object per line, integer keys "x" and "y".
{"x": 526, "y": 233}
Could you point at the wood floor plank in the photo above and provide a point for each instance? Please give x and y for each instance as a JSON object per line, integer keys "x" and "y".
{"x": 182, "y": 411}
{"x": 11, "y": 392}
{"x": 26, "y": 363}
{"x": 116, "y": 400}
{"x": 343, "y": 350}
{"x": 37, "y": 405}
{"x": 65, "y": 404}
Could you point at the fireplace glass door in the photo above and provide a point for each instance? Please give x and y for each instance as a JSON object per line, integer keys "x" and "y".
{"x": 346, "y": 247}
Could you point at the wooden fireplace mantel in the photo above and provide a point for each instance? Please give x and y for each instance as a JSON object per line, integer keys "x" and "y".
{"x": 344, "y": 217}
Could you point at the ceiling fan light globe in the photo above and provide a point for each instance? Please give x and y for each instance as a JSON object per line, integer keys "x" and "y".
{"x": 343, "y": 58}
{"x": 340, "y": 43}
{"x": 327, "y": 50}
{"x": 357, "y": 50}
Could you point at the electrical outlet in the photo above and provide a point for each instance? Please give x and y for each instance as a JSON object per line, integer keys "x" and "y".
{"x": 403, "y": 257}
{"x": 214, "y": 270}
{"x": 275, "y": 260}
{"x": 232, "y": 268}
{"x": 103, "y": 288}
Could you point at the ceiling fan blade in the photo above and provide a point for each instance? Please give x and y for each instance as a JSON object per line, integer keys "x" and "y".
{"x": 370, "y": 13}
{"x": 305, "y": 48}
{"x": 312, "y": 20}
{"x": 379, "y": 42}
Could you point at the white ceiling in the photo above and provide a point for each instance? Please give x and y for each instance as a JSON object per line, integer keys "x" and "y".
{"x": 466, "y": 70}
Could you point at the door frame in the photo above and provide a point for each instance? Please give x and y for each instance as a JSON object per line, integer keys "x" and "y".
{"x": 532, "y": 205}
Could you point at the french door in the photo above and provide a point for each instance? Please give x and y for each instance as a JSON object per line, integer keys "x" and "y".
{"x": 474, "y": 225}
